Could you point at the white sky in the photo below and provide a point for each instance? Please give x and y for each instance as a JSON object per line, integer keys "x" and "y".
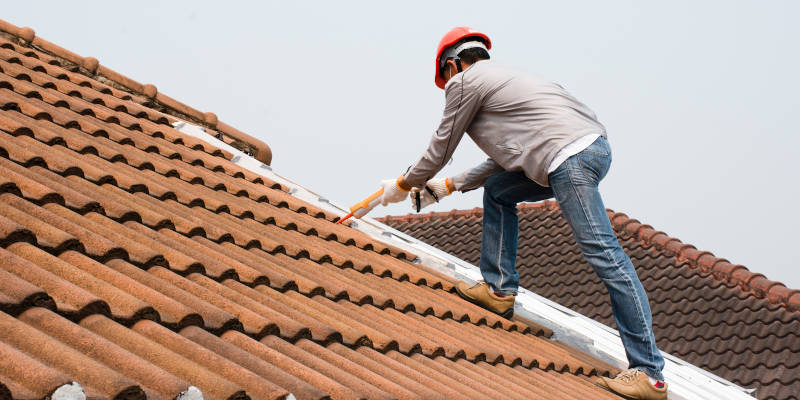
{"x": 700, "y": 99}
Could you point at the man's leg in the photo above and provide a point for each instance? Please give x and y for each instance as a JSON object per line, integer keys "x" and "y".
{"x": 575, "y": 186}
{"x": 501, "y": 193}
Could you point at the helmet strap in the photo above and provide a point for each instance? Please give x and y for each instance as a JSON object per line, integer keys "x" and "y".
{"x": 458, "y": 64}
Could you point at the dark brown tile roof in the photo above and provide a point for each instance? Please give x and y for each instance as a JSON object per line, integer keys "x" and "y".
{"x": 137, "y": 260}
{"x": 716, "y": 315}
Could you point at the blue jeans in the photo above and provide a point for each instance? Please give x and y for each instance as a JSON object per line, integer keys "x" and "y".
{"x": 574, "y": 186}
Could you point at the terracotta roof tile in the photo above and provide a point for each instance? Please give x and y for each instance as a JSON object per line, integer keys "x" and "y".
{"x": 134, "y": 251}
{"x": 138, "y": 260}
{"x": 70, "y": 299}
{"x": 210, "y": 359}
{"x": 11, "y": 231}
{"x": 107, "y": 352}
{"x": 316, "y": 329}
{"x": 17, "y": 294}
{"x": 47, "y": 236}
{"x": 279, "y": 276}
{"x": 52, "y": 352}
{"x": 123, "y": 306}
{"x": 21, "y": 184}
{"x": 170, "y": 312}
{"x": 706, "y": 310}
{"x": 180, "y": 365}
{"x": 451, "y": 370}
{"x": 27, "y": 376}
{"x": 316, "y": 380}
{"x": 212, "y": 317}
{"x": 408, "y": 367}
{"x": 93, "y": 244}
{"x": 272, "y": 371}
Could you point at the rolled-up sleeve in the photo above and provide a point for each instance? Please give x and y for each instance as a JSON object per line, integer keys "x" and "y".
{"x": 475, "y": 177}
{"x": 461, "y": 105}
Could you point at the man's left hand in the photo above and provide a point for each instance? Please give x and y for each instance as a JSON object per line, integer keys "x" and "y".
{"x": 434, "y": 190}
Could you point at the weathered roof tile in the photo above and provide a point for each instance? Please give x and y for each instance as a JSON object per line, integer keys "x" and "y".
{"x": 138, "y": 260}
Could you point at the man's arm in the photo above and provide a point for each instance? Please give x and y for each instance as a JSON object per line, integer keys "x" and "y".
{"x": 474, "y": 178}
{"x": 439, "y": 188}
{"x": 462, "y": 103}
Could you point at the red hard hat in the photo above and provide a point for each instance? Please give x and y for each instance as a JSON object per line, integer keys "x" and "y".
{"x": 452, "y": 37}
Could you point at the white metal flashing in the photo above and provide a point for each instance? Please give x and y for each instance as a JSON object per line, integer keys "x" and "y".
{"x": 69, "y": 391}
{"x": 191, "y": 393}
{"x": 686, "y": 382}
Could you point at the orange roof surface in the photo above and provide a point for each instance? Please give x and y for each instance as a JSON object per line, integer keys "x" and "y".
{"x": 139, "y": 261}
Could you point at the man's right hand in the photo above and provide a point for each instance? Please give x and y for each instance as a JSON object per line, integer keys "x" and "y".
{"x": 434, "y": 190}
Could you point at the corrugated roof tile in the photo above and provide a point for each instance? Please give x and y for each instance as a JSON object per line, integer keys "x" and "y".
{"x": 157, "y": 354}
{"x": 123, "y": 306}
{"x": 17, "y": 294}
{"x": 129, "y": 231}
{"x": 26, "y": 376}
{"x": 70, "y": 299}
{"x": 47, "y": 236}
{"x": 403, "y": 370}
{"x": 11, "y": 231}
{"x": 93, "y": 244}
{"x": 318, "y": 330}
{"x": 213, "y": 318}
{"x": 170, "y": 312}
{"x": 104, "y": 351}
{"x": 267, "y": 370}
{"x": 221, "y": 366}
{"x": 29, "y": 188}
{"x": 53, "y": 352}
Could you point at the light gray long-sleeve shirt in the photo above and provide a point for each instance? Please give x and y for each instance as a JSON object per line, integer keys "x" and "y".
{"x": 519, "y": 120}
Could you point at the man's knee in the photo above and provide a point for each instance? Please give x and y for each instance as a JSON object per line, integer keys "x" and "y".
{"x": 498, "y": 184}
{"x": 494, "y": 184}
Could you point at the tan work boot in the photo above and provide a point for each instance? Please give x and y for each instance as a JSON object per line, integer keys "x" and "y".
{"x": 633, "y": 384}
{"x": 482, "y": 295}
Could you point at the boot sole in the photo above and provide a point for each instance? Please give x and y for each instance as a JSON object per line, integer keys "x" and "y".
{"x": 609, "y": 390}
{"x": 507, "y": 314}
{"x": 626, "y": 397}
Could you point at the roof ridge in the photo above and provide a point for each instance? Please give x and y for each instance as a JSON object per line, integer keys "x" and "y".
{"x": 91, "y": 67}
{"x": 720, "y": 269}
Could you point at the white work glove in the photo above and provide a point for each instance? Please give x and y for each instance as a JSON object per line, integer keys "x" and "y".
{"x": 392, "y": 193}
{"x": 434, "y": 190}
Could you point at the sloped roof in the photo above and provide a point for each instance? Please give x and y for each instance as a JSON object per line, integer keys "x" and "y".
{"x": 707, "y": 311}
{"x": 138, "y": 260}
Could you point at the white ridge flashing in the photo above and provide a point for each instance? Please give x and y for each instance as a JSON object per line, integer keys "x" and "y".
{"x": 191, "y": 393}
{"x": 686, "y": 382}
{"x": 69, "y": 391}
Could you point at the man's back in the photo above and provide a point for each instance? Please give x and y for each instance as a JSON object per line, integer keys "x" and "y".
{"x": 520, "y": 120}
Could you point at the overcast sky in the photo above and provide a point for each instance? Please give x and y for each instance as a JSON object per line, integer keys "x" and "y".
{"x": 700, "y": 99}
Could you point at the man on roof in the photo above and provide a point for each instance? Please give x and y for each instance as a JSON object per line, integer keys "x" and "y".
{"x": 542, "y": 143}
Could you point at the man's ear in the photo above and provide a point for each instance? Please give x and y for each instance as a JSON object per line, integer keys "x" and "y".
{"x": 451, "y": 67}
